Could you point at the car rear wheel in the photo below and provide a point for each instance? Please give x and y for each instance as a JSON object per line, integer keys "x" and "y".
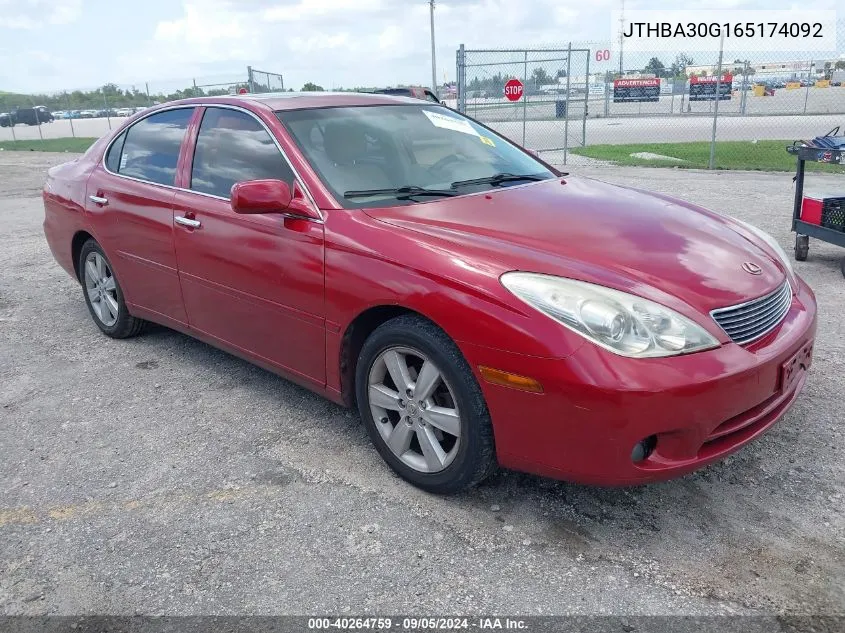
{"x": 103, "y": 294}
{"x": 422, "y": 406}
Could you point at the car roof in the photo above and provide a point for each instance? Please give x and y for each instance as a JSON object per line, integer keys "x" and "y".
{"x": 304, "y": 100}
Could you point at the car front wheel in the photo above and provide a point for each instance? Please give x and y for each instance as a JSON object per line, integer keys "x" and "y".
{"x": 422, "y": 406}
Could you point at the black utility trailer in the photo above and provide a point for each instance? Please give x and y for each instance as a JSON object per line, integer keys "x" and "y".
{"x": 821, "y": 217}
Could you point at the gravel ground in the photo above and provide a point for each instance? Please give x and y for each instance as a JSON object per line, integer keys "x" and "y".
{"x": 159, "y": 475}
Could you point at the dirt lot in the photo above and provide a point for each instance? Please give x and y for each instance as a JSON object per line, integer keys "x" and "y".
{"x": 159, "y": 475}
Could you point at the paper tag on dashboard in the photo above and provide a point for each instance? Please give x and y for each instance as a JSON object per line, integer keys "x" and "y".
{"x": 450, "y": 123}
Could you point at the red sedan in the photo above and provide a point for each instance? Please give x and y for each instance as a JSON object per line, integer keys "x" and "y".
{"x": 478, "y": 307}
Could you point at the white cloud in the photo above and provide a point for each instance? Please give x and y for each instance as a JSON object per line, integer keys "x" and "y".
{"x": 34, "y": 14}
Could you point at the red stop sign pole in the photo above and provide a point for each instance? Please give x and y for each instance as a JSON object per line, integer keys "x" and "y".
{"x": 513, "y": 90}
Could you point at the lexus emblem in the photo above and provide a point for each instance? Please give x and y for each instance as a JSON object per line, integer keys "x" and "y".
{"x": 751, "y": 268}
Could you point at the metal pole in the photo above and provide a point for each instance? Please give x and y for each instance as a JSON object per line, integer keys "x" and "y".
{"x": 106, "y": 102}
{"x": 249, "y": 79}
{"x": 70, "y": 116}
{"x": 462, "y": 80}
{"x": 807, "y": 91}
{"x": 524, "y": 97}
{"x": 712, "y": 163}
{"x": 149, "y": 101}
{"x": 566, "y": 114}
{"x": 586, "y": 102}
{"x": 37, "y": 120}
{"x": 433, "y": 55}
{"x": 621, "y": 38}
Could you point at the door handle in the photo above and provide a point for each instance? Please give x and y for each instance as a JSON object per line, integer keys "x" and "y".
{"x": 181, "y": 219}
{"x": 99, "y": 200}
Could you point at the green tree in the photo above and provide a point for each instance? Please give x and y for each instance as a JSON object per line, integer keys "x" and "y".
{"x": 540, "y": 76}
{"x": 655, "y": 67}
{"x": 840, "y": 65}
{"x": 679, "y": 66}
{"x": 561, "y": 73}
{"x": 312, "y": 87}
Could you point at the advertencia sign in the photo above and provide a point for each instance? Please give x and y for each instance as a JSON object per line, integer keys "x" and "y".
{"x": 636, "y": 90}
{"x": 704, "y": 88}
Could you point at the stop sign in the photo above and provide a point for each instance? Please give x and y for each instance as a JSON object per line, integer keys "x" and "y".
{"x": 513, "y": 90}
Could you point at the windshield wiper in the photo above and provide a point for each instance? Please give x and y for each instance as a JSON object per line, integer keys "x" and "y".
{"x": 497, "y": 179}
{"x": 401, "y": 193}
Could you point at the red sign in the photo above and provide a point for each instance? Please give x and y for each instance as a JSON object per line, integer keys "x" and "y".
{"x": 726, "y": 79}
{"x": 513, "y": 90}
{"x": 242, "y": 91}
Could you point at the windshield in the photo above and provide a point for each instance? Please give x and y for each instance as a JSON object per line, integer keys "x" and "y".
{"x": 405, "y": 154}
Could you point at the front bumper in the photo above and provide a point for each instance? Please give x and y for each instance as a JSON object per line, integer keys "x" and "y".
{"x": 597, "y": 406}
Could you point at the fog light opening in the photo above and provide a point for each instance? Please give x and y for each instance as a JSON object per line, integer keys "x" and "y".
{"x": 643, "y": 449}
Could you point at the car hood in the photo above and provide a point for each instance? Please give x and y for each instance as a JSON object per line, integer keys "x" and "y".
{"x": 645, "y": 243}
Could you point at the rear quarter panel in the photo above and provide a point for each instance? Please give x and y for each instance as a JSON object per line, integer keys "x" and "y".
{"x": 64, "y": 206}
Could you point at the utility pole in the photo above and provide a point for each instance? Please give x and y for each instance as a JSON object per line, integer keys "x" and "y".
{"x": 433, "y": 57}
{"x": 621, "y": 38}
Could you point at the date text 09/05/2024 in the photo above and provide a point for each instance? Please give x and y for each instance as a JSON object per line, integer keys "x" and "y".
{"x": 416, "y": 623}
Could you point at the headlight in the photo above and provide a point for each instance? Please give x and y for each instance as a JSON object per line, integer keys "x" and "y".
{"x": 768, "y": 239}
{"x": 624, "y": 324}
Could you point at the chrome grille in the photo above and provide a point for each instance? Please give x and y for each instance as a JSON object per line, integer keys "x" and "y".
{"x": 749, "y": 321}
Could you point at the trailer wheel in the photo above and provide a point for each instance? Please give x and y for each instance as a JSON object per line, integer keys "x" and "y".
{"x": 802, "y": 247}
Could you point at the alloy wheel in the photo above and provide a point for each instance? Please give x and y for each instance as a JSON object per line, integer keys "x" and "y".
{"x": 101, "y": 288}
{"x": 414, "y": 409}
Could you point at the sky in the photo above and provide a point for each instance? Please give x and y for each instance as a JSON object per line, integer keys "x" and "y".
{"x": 52, "y": 45}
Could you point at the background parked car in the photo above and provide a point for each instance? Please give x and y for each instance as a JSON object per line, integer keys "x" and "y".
{"x": 33, "y": 116}
{"x": 124, "y": 112}
{"x": 7, "y": 119}
{"x": 87, "y": 114}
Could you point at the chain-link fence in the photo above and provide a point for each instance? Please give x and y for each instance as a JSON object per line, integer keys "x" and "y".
{"x": 90, "y": 113}
{"x": 589, "y": 94}
{"x": 262, "y": 81}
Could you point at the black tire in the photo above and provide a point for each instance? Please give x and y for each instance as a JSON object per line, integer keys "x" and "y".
{"x": 476, "y": 454}
{"x": 125, "y": 326}
{"x": 802, "y": 247}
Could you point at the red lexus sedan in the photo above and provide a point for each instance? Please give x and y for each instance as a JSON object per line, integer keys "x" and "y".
{"x": 477, "y": 306}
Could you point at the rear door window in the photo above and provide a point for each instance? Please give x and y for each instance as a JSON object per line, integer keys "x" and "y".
{"x": 113, "y": 155}
{"x": 151, "y": 147}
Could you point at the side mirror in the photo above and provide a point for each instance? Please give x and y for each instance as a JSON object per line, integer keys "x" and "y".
{"x": 261, "y": 196}
{"x": 272, "y": 196}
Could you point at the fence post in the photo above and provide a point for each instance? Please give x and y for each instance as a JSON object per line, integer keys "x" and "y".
{"x": 807, "y": 91}
{"x": 566, "y": 118}
{"x": 37, "y": 120}
{"x": 147, "y": 87}
{"x": 70, "y": 115}
{"x": 106, "y": 103}
{"x": 250, "y": 83}
{"x": 712, "y": 163}
{"x": 461, "y": 75}
{"x": 524, "y": 97}
{"x": 586, "y": 102}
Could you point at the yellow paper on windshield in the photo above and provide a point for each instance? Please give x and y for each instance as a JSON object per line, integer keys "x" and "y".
{"x": 450, "y": 123}
{"x": 487, "y": 141}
